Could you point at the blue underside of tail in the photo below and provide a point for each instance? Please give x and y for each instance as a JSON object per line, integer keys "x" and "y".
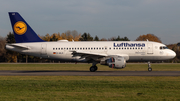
{"x": 22, "y": 31}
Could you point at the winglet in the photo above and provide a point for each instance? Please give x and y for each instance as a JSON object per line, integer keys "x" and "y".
{"x": 22, "y": 31}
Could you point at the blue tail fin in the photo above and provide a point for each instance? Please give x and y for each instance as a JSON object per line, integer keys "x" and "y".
{"x": 22, "y": 31}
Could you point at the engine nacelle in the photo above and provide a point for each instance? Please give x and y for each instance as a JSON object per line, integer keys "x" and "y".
{"x": 117, "y": 62}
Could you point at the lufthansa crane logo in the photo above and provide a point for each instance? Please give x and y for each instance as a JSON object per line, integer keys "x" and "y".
{"x": 20, "y": 28}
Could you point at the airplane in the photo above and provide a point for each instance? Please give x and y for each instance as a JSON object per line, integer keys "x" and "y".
{"x": 114, "y": 54}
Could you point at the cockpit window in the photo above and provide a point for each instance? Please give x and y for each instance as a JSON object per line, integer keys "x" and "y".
{"x": 163, "y": 47}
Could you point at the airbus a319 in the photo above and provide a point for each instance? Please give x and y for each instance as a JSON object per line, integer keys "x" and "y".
{"x": 111, "y": 53}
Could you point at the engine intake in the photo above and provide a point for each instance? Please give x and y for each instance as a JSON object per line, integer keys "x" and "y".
{"x": 117, "y": 62}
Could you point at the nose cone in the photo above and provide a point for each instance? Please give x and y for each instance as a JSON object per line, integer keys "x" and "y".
{"x": 172, "y": 54}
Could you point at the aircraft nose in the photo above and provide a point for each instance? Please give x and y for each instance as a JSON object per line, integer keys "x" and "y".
{"x": 172, "y": 54}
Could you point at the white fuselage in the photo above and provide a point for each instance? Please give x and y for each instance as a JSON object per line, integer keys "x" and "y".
{"x": 130, "y": 50}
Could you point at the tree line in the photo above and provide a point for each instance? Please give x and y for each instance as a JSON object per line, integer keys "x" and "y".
{"x": 11, "y": 56}
{"x": 75, "y": 36}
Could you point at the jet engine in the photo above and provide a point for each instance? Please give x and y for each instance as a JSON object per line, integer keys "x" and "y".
{"x": 116, "y": 62}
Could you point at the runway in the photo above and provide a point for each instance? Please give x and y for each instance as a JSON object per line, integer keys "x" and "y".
{"x": 86, "y": 73}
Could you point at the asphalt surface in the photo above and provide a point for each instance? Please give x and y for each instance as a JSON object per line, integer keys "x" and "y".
{"x": 86, "y": 73}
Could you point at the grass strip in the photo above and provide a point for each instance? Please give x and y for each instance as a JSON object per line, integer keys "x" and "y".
{"x": 96, "y": 88}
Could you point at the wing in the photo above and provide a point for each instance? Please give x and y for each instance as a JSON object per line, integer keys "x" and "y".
{"x": 88, "y": 55}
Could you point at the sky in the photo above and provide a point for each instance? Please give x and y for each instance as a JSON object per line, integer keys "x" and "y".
{"x": 104, "y": 18}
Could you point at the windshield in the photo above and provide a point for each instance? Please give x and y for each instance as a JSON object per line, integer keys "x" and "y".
{"x": 163, "y": 47}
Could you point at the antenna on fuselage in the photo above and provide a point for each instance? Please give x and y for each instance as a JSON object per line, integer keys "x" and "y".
{"x": 147, "y": 39}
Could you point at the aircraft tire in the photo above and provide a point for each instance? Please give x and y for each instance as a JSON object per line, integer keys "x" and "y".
{"x": 96, "y": 68}
{"x": 149, "y": 69}
{"x": 93, "y": 68}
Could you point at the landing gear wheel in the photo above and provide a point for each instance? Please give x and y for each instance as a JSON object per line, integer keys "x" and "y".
{"x": 149, "y": 69}
{"x": 93, "y": 68}
{"x": 96, "y": 68}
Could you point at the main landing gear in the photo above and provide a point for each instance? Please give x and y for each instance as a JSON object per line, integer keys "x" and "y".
{"x": 149, "y": 67}
{"x": 93, "y": 68}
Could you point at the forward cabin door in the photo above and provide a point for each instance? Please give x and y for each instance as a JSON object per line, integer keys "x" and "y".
{"x": 150, "y": 48}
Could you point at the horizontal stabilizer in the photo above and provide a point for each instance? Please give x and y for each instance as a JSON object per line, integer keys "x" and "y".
{"x": 19, "y": 46}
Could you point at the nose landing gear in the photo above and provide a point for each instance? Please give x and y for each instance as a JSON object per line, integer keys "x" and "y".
{"x": 149, "y": 67}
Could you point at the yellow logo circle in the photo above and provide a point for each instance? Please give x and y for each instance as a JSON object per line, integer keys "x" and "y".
{"x": 20, "y": 27}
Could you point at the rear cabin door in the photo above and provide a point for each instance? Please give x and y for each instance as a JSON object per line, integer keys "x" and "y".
{"x": 43, "y": 49}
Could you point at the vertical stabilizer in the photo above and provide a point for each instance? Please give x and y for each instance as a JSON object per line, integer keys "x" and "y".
{"x": 22, "y": 31}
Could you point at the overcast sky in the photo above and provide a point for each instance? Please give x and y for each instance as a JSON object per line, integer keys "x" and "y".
{"x": 104, "y": 18}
